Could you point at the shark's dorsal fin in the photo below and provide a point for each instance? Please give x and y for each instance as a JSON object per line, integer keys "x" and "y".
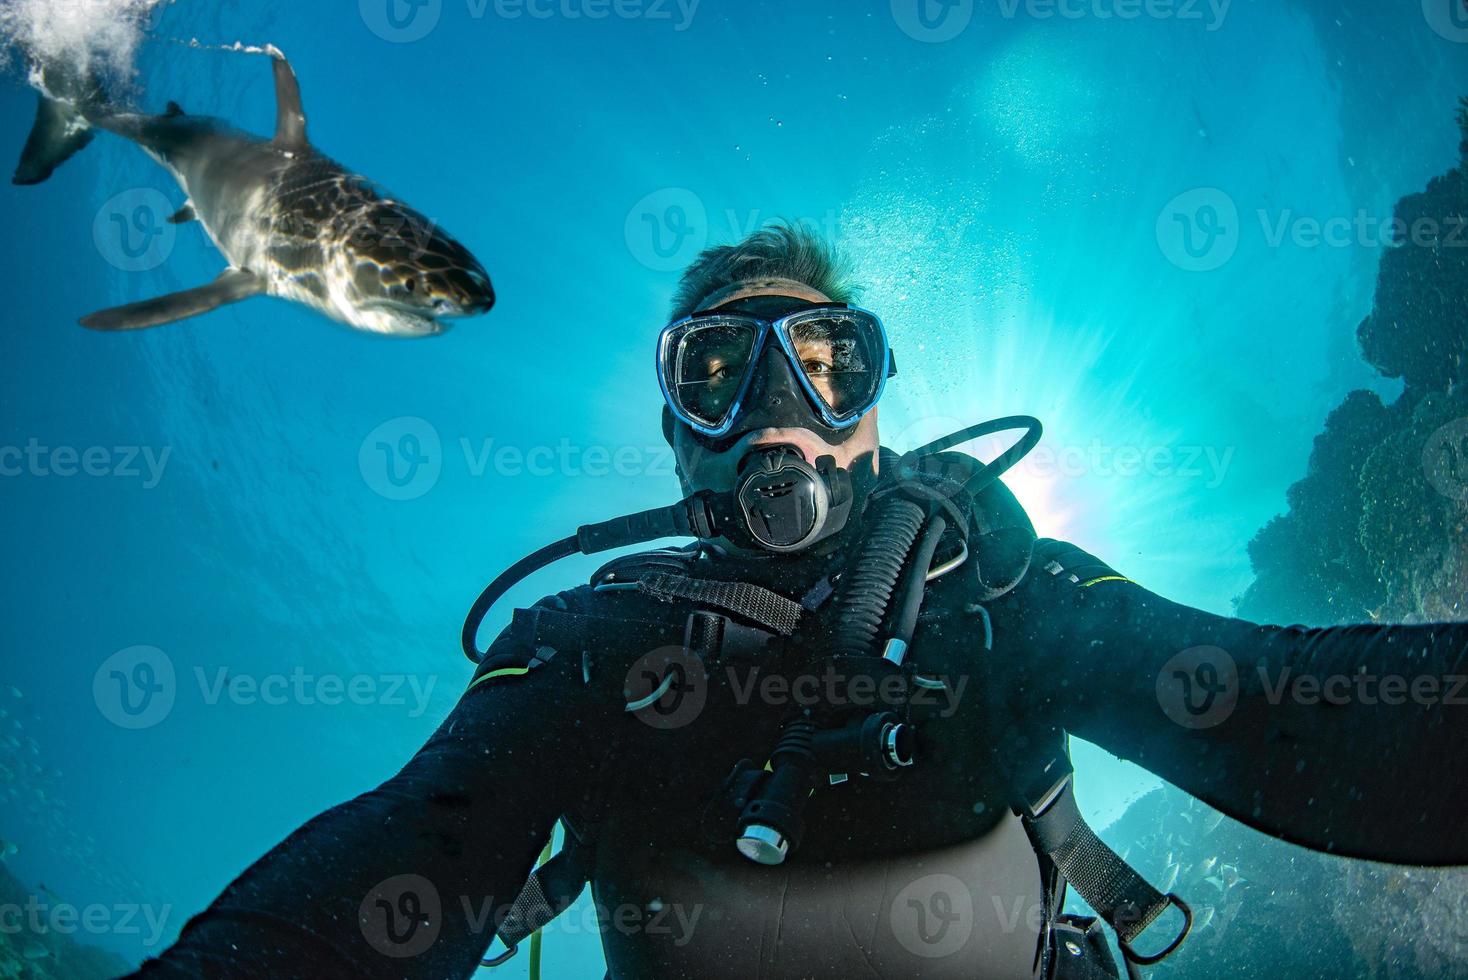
{"x": 290, "y": 117}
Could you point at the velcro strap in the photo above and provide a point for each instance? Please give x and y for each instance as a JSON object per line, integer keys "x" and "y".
{"x": 758, "y": 605}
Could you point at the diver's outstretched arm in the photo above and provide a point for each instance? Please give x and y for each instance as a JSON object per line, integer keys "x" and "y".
{"x": 1352, "y": 740}
{"x": 411, "y": 879}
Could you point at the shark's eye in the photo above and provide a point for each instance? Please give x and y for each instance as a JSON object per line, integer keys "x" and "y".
{"x": 411, "y": 285}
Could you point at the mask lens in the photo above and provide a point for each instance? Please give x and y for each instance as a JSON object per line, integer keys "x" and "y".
{"x": 705, "y": 365}
{"x": 843, "y": 356}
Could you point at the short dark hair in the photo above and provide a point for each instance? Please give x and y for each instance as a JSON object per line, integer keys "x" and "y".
{"x": 783, "y": 250}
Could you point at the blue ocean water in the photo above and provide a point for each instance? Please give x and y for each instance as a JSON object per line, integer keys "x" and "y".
{"x": 1064, "y": 210}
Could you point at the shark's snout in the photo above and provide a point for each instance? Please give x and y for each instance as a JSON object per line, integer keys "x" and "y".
{"x": 461, "y": 291}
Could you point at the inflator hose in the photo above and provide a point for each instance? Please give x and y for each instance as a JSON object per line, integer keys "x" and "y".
{"x": 525, "y": 567}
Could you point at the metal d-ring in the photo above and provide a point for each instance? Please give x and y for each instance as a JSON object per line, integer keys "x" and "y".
{"x": 1132, "y": 955}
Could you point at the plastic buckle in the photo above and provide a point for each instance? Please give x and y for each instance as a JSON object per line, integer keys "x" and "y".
{"x": 1134, "y": 957}
{"x": 1047, "y": 787}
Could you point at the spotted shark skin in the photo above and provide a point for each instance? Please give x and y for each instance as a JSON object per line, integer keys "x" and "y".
{"x": 292, "y": 222}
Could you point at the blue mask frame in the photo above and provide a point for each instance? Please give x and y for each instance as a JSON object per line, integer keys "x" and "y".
{"x": 780, "y": 330}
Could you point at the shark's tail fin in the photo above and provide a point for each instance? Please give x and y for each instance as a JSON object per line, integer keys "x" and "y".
{"x": 61, "y": 129}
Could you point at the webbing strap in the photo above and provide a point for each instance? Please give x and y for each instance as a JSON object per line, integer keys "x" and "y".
{"x": 759, "y": 605}
{"x": 1107, "y": 883}
{"x": 549, "y": 891}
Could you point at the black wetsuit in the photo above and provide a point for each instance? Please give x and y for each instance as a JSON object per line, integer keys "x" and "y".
{"x": 447, "y": 843}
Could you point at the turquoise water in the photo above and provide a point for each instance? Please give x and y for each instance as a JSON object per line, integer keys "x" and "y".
{"x": 1098, "y": 219}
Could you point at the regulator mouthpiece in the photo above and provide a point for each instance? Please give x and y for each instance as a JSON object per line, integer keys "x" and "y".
{"x": 785, "y": 504}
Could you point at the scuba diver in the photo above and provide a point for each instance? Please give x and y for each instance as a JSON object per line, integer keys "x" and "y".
{"x": 829, "y": 737}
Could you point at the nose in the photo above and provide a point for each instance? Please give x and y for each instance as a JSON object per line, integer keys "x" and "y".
{"x": 774, "y": 394}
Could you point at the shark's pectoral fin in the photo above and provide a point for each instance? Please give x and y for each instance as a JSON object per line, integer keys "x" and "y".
{"x": 184, "y": 215}
{"x": 290, "y": 117}
{"x": 231, "y": 287}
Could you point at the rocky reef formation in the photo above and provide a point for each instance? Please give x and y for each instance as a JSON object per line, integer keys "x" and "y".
{"x": 45, "y": 953}
{"x": 1377, "y": 529}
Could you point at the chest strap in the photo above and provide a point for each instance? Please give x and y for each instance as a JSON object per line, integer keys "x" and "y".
{"x": 754, "y": 603}
{"x": 1109, "y": 885}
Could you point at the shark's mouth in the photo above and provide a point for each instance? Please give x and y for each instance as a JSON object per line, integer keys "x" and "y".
{"x": 384, "y": 316}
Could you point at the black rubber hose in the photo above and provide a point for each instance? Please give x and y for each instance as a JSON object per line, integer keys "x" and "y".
{"x": 871, "y": 577}
{"x": 525, "y": 567}
{"x": 915, "y": 581}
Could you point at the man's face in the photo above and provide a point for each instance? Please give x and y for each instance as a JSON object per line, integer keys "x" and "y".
{"x": 702, "y": 469}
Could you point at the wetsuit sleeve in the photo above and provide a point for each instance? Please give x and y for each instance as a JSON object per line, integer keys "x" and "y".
{"x": 412, "y": 878}
{"x": 1349, "y": 739}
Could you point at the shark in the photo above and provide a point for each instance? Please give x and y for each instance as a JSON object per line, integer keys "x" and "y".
{"x": 292, "y": 222}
